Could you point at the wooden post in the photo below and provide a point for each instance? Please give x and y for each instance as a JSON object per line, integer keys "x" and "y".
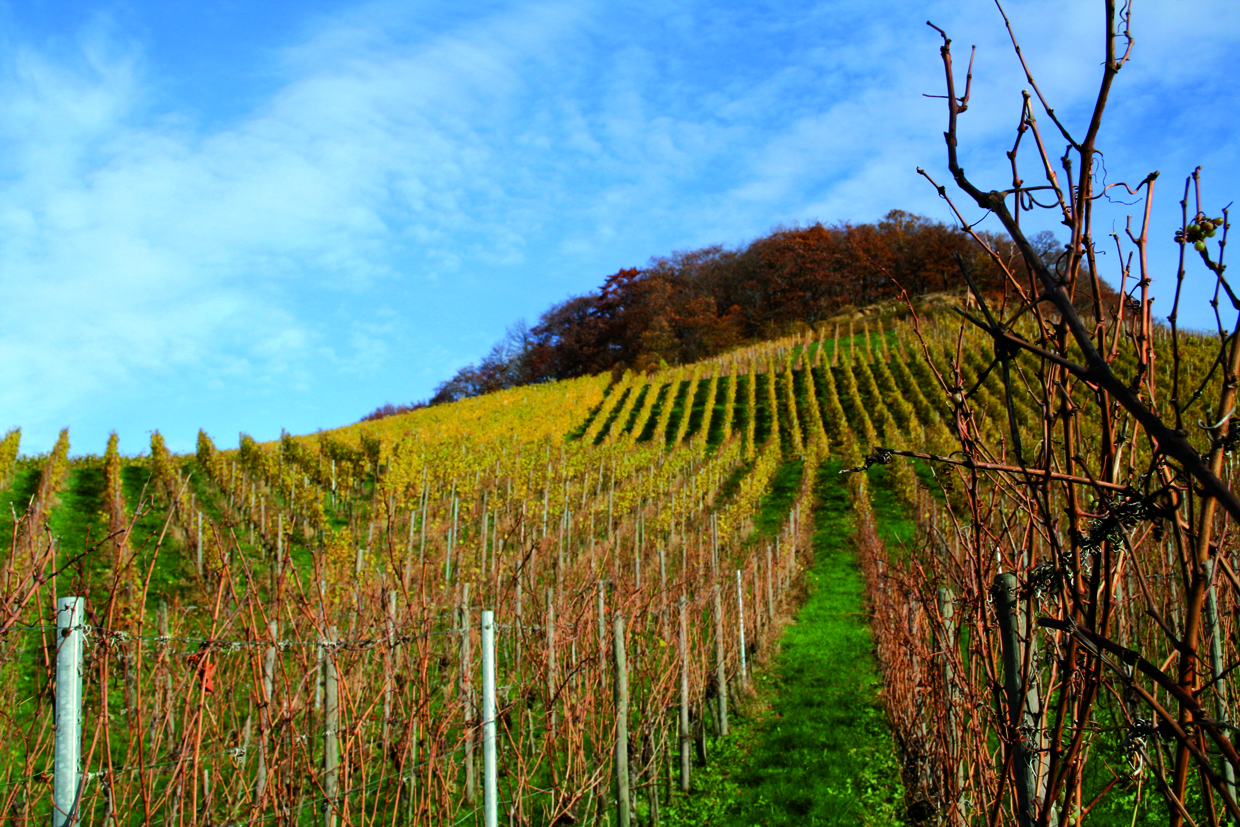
{"x": 465, "y": 688}
{"x": 948, "y": 645}
{"x": 389, "y": 667}
{"x": 161, "y": 619}
{"x": 716, "y": 602}
{"x": 422, "y": 524}
{"x": 483, "y": 532}
{"x": 663, "y": 607}
{"x": 559, "y": 554}
{"x": 198, "y": 552}
{"x": 264, "y": 713}
{"x": 770, "y": 587}
{"x": 546, "y": 503}
{"x": 331, "y": 729}
{"x": 686, "y": 760}
{"x": 517, "y": 611}
{"x": 1022, "y": 705}
{"x": 551, "y": 688}
{"x": 779, "y": 563}
{"x": 1216, "y": 668}
{"x": 637, "y": 558}
{"x": 621, "y": 678}
{"x": 447, "y": 561}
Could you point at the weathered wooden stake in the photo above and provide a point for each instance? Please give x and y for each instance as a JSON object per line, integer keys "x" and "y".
{"x": 389, "y": 666}
{"x": 1022, "y": 705}
{"x": 331, "y": 730}
{"x": 465, "y": 687}
{"x": 551, "y": 688}
{"x": 1216, "y": 669}
{"x": 264, "y": 712}
{"x": 686, "y": 759}
{"x": 770, "y": 587}
{"x": 721, "y": 675}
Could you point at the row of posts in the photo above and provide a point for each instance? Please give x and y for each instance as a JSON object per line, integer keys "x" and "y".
{"x": 68, "y": 782}
{"x": 68, "y": 779}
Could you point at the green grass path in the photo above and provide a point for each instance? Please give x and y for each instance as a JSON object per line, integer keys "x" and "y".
{"x": 816, "y": 749}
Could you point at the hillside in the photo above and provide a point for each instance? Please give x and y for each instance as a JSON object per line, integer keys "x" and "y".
{"x": 223, "y": 588}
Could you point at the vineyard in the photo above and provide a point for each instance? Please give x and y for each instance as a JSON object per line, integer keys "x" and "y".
{"x": 541, "y": 606}
{"x": 244, "y": 604}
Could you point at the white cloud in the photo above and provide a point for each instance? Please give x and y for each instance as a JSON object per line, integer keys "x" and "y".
{"x": 417, "y": 178}
{"x": 136, "y": 249}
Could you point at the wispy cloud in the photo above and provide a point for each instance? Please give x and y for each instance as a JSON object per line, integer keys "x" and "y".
{"x": 400, "y": 184}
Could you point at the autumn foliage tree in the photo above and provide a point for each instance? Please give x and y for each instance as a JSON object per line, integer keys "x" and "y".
{"x": 691, "y": 305}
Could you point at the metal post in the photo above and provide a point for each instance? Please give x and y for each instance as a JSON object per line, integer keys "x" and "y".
{"x": 490, "y": 782}
{"x": 68, "y": 745}
{"x": 740, "y": 625}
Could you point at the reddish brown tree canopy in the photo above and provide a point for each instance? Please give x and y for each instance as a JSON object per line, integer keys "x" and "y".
{"x": 691, "y": 305}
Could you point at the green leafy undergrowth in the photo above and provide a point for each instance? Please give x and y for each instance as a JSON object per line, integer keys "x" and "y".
{"x": 814, "y": 747}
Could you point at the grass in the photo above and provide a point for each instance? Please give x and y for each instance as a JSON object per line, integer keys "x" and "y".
{"x": 611, "y": 417}
{"x": 894, "y": 523}
{"x": 814, "y": 747}
{"x": 785, "y": 485}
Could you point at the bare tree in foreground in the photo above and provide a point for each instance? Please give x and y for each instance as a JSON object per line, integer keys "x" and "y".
{"x": 1066, "y": 602}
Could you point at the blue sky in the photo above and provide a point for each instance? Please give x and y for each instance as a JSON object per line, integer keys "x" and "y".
{"x": 249, "y": 216}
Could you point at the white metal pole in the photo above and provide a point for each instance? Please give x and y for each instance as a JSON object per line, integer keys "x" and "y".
{"x": 68, "y": 746}
{"x": 490, "y": 775}
{"x": 740, "y": 623}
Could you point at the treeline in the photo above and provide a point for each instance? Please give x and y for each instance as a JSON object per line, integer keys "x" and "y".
{"x": 692, "y": 305}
